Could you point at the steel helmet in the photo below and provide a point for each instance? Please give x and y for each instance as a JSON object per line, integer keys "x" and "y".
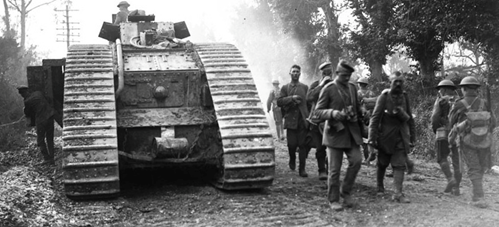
{"x": 125, "y": 3}
{"x": 363, "y": 80}
{"x": 275, "y": 82}
{"x": 446, "y": 83}
{"x": 469, "y": 80}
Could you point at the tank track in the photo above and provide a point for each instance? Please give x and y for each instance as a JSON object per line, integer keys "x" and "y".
{"x": 248, "y": 152}
{"x": 90, "y": 144}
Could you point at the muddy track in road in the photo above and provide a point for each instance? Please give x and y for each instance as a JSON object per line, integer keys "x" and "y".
{"x": 176, "y": 197}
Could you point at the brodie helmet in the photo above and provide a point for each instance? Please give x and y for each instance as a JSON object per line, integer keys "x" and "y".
{"x": 446, "y": 83}
{"x": 469, "y": 80}
{"x": 363, "y": 80}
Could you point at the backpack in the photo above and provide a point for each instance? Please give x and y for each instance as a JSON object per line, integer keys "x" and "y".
{"x": 477, "y": 134}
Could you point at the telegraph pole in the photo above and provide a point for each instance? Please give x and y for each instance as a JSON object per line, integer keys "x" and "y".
{"x": 68, "y": 30}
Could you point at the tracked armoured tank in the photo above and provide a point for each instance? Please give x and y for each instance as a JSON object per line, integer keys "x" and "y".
{"x": 138, "y": 103}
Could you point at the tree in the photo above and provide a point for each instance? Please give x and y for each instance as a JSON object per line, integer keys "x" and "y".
{"x": 23, "y": 7}
{"x": 372, "y": 42}
{"x": 314, "y": 23}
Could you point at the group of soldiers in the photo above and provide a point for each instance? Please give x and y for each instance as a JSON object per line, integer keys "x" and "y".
{"x": 337, "y": 118}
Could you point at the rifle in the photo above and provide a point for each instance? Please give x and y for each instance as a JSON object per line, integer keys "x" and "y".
{"x": 489, "y": 108}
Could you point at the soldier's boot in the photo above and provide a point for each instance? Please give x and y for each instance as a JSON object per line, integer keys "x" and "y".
{"x": 380, "y": 177}
{"x": 398, "y": 180}
{"x": 458, "y": 176}
{"x": 321, "y": 162}
{"x": 451, "y": 182}
{"x": 410, "y": 166}
{"x": 302, "y": 156}
{"x": 292, "y": 160}
{"x": 47, "y": 159}
{"x": 478, "y": 196}
{"x": 365, "y": 151}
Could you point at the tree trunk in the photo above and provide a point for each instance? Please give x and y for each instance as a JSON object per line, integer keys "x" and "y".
{"x": 427, "y": 72}
{"x": 333, "y": 47}
{"x": 376, "y": 69}
{"x": 6, "y": 19}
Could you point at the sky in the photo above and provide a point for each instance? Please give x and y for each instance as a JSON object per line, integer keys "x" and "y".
{"x": 43, "y": 22}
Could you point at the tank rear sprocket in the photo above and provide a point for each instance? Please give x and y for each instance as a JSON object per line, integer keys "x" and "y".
{"x": 248, "y": 152}
{"x": 90, "y": 141}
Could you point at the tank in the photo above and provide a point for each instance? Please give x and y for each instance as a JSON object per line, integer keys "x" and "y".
{"x": 128, "y": 105}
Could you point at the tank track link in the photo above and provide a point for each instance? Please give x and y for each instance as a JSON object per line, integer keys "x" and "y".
{"x": 248, "y": 151}
{"x": 90, "y": 142}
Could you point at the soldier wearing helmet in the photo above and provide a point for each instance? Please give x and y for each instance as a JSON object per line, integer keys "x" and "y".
{"x": 315, "y": 138}
{"x": 471, "y": 119}
{"x": 440, "y": 125}
{"x": 276, "y": 110}
{"x": 367, "y": 99}
{"x": 122, "y": 15}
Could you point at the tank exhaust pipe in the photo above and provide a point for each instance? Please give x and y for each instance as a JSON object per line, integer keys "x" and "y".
{"x": 121, "y": 69}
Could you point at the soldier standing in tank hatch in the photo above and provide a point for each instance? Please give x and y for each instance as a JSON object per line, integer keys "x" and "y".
{"x": 440, "y": 125}
{"x": 392, "y": 132}
{"x": 316, "y": 129}
{"x": 292, "y": 101}
{"x": 122, "y": 15}
{"x": 474, "y": 134}
{"x": 339, "y": 106}
{"x": 276, "y": 110}
{"x": 37, "y": 107}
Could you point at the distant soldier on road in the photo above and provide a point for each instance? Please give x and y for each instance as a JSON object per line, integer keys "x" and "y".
{"x": 315, "y": 130}
{"x": 37, "y": 107}
{"x": 392, "y": 132}
{"x": 472, "y": 120}
{"x": 276, "y": 110}
{"x": 440, "y": 124}
{"x": 367, "y": 99}
{"x": 293, "y": 100}
{"x": 339, "y": 106}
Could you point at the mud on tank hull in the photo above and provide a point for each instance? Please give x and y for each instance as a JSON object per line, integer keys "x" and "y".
{"x": 188, "y": 106}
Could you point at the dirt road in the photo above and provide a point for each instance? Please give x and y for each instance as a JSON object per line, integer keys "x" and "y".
{"x": 183, "y": 198}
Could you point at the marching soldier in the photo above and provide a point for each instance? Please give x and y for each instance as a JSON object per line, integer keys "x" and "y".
{"x": 392, "y": 132}
{"x": 339, "y": 106}
{"x": 367, "y": 99}
{"x": 472, "y": 120}
{"x": 440, "y": 124}
{"x": 293, "y": 100}
{"x": 315, "y": 130}
{"x": 276, "y": 110}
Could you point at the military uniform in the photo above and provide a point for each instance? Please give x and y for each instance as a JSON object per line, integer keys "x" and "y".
{"x": 364, "y": 94}
{"x": 276, "y": 110}
{"x": 37, "y": 107}
{"x": 315, "y": 132}
{"x": 476, "y": 159}
{"x": 392, "y": 127}
{"x": 341, "y": 136}
{"x": 295, "y": 121}
{"x": 440, "y": 122}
